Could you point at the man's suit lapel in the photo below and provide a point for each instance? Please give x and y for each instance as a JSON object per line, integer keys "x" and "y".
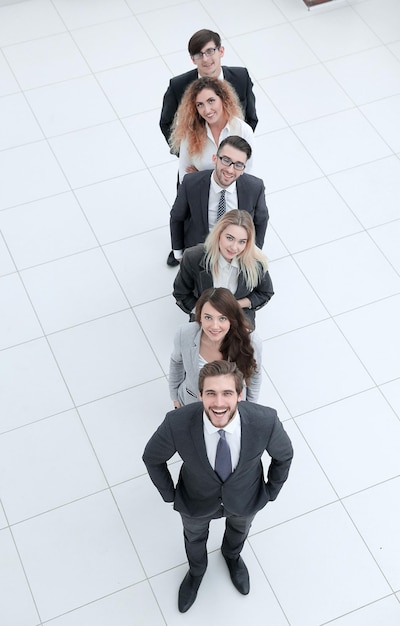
{"x": 197, "y": 434}
{"x": 204, "y": 195}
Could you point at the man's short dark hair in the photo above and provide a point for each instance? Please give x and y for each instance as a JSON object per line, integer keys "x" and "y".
{"x": 236, "y": 142}
{"x": 221, "y": 368}
{"x": 200, "y": 38}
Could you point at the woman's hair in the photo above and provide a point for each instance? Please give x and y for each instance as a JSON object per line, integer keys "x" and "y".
{"x": 188, "y": 121}
{"x": 221, "y": 368}
{"x": 252, "y": 262}
{"x": 236, "y": 345}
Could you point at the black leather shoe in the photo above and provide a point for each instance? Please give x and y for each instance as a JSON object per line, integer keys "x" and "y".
{"x": 171, "y": 261}
{"x": 188, "y": 591}
{"x": 239, "y": 574}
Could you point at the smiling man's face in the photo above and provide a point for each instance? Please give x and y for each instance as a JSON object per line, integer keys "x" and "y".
{"x": 220, "y": 399}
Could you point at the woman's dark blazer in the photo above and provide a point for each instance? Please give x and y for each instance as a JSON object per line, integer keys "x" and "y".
{"x": 193, "y": 278}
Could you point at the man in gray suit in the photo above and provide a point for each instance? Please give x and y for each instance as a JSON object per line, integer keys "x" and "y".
{"x": 221, "y": 445}
{"x": 195, "y": 209}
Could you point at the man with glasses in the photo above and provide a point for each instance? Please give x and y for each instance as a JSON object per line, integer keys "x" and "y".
{"x": 206, "y": 52}
{"x": 204, "y": 196}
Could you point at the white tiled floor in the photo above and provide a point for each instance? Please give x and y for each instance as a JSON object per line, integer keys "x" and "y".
{"x": 86, "y": 315}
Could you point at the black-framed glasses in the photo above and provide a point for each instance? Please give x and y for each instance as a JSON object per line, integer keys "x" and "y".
{"x": 207, "y": 53}
{"x": 238, "y": 165}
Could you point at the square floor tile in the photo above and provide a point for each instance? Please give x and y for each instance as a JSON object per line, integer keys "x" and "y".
{"x": 328, "y": 543}
{"x": 73, "y": 290}
{"x": 306, "y": 94}
{"x": 336, "y": 34}
{"x": 341, "y": 141}
{"x": 376, "y": 515}
{"x": 366, "y": 438}
{"x": 87, "y": 536}
{"x": 45, "y": 230}
{"x": 8, "y": 84}
{"x": 337, "y": 272}
{"x": 126, "y": 43}
{"x": 378, "y": 350}
{"x": 135, "y": 603}
{"x": 44, "y": 61}
{"x": 31, "y": 386}
{"x": 104, "y": 356}
{"x": 166, "y": 176}
{"x": 17, "y": 606}
{"x": 269, "y": 118}
{"x": 18, "y": 322}
{"x": 120, "y": 425}
{"x": 92, "y": 155}
{"x": 28, "y": 173}
{"x": 386, "y": 611}
{"x": 265, "y": 13}
{"x": 382, "y": 16}
{"x": 7, "y": 265}
{"x": 383, "y": 115}
{"x": 117, "y": 84}
{"x": 145, "y": 132}
{"x": 321, "y": 368}
{"x": 157, "y": 529}
{"x": 387, "y": 238}
{"x": 126, "y": 257}
{"x": 293, "y": 500}
{"x": 17, "y": 124}
{"x": 36, "y": 470}
{"x": 186, "y": 19}
{"x": 372, "y": 191}
{"x": 368, "y": 75}
{"x": 282, "y": 161}
{"x": 290, "y": 285}
{"x": 273, "y": 247}
{"x": 70, "y": 105}
{"x": 85, "y": 12}
{"x": 110, "y": 206}
{"x": 161, "y": 336}
{"x": 28, "y": 20}
{"x": 391, "y": 391}
{"x": 283, "y": 51}
{"x": 310, "y": 214}
{"x": 270, "y": 397}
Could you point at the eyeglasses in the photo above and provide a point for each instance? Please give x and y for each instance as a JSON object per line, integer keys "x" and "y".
{"x": 238, "y": 165}
{"x": 207, "y": 53}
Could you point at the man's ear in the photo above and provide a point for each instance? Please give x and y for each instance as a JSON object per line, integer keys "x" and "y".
{"x": 214, "y": 158}
{"x": 222, "y": 51}
{"x": 240, "y": 396}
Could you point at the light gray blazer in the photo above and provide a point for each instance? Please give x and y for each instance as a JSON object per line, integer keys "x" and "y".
{"x": 184, "y": 365}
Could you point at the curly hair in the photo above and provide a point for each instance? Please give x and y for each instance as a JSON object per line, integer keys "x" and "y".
{"x": 188, "y": 121}
{"x": 236, "y": 345}
{"x": 252, "y": 262}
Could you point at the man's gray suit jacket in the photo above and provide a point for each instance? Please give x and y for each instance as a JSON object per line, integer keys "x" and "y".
{"x": 199, "y": 490}
{"x": 189, "y": 214}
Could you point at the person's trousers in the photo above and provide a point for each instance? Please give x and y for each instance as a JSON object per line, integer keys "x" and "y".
{"x": 195, "y": 532}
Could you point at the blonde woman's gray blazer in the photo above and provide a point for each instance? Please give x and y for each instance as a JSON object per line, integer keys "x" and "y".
{"x": 184, "y": 365}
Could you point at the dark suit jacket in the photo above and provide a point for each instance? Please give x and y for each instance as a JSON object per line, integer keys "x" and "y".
{"x": 238, "y": 77}
{"x": 193, "y": 278}
{"x": 189, "y": 214}
{"x": 199, "y": 490}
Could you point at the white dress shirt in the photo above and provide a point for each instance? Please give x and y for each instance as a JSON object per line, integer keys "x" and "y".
{"x": 231, "y": 200}
{"x": 233, "y": 436}
{"x": 227, "y": 274}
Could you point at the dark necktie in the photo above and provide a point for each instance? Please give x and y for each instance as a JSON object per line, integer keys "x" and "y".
{"x": 223, "y": 463}
{"x": 221, "y": 205}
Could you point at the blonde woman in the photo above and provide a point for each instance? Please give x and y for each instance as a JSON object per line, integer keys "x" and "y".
{"x": 228, "y": 258}
{"x": 208, "y": 113}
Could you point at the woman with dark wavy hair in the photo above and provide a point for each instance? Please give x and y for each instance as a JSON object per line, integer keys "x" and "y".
{"x": 220, "y": 332}
{"x": 209, "y": 112}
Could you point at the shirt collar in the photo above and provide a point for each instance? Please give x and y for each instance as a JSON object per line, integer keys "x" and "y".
{"x": 223, "y": 263}
{"x": 220, "y": 77}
